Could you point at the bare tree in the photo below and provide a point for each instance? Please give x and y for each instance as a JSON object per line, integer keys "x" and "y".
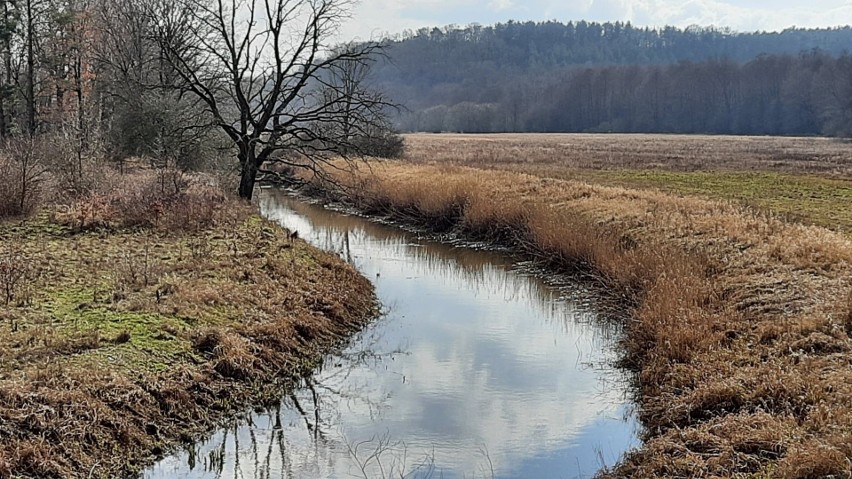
{"x": 362, "y": 128}
{"x": 260, "y": 67}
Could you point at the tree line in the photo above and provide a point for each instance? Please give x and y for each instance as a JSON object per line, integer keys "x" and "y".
{"x": 523, "y": 46}
{"x": 184, "y": 82}
{"x": 810, "y": 94}
{"x": 583, "y": 76}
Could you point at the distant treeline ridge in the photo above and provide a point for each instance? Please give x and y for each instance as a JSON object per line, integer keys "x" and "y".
{"x": 615, "y": 77}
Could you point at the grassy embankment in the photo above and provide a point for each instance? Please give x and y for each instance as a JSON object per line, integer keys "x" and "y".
{"x": 137, "y": 318}
{"x": 739, "y": 322}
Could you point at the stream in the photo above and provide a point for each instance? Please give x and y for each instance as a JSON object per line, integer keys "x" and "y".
{"x": 479, "y": 368}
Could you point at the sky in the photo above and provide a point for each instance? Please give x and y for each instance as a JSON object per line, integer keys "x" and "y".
{"x": 372, "y": 19}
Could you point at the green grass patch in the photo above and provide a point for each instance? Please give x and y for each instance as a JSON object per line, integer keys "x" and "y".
{"x": 126, "y": 340}
{"x": 814, "y": 200}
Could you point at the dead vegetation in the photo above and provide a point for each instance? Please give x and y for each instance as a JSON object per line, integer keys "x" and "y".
{"x": 807, "y": 180}
{"x": 142, "y": 315}
{"x": 536, "y": 152}
{"x": 738, "y": 324}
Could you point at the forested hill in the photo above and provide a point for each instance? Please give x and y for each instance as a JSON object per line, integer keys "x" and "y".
{"x": 584, "y": 76}
{"x": 524, "y": 46}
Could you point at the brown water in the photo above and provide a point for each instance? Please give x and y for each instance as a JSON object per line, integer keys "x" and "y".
{"x": 478, "y": 369}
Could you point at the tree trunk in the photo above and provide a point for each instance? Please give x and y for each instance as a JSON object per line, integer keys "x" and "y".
{"x": 3, "y": 128}
{"x": 248, "y": 176}
{"x": 31, "y": 114}
{"x": 6, "y": 81}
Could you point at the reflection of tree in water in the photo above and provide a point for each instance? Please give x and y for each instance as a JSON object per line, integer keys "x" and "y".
{"x": 259, "y": 458}
{"x": 332, "y": 384}
{"x": 266, "y": 445}
{"x": 269, "y": 443}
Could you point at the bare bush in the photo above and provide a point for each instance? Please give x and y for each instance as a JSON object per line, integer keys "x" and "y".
{"x": 24, "y": 172}
{"x": 76, "y": 170}
{"x": 93, "y": 211}
{"x": 383, "y": 144}
{"x": 167, "y": 199}
{"x": 134, "y": 271}
{"x": 15, "y": 274}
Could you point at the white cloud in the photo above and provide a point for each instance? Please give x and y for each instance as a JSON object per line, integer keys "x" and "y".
{"x": 373, "y": 18}
{"x": 499, "y": 5}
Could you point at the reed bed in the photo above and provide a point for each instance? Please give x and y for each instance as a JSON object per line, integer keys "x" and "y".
{"x": 737, "y": 322}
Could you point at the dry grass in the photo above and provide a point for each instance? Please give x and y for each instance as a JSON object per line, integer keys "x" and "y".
{"x": 138, "y": 333}
{"x": 166, "y": 200}
{"x": 804, "y": 179}
{"x": 738, "y": 322}
{"x": 818, "y": 156}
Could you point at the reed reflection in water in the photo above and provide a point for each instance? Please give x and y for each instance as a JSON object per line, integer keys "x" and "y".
{"x": 477, "y": 370}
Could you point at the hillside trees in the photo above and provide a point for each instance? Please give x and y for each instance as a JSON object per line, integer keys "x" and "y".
{"x": 583, "y": 76}
{"x": 807, "y": 94}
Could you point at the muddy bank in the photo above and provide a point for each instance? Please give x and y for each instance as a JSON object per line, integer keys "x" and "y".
{"x": 120, "y": 342}
{"x": 739, "y": 323}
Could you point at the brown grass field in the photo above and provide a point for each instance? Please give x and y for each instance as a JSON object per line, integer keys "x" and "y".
{"x": 803, "y": 179}
{"x": 136, "y": 318}
{"x": 738, "y": 319}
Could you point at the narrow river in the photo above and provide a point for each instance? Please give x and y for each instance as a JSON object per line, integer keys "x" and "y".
{"x": 478, "y": 369}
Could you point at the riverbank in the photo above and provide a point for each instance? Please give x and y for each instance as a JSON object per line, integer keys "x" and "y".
{"x": 738, "y": 322}
{"x": 133, "y": 322}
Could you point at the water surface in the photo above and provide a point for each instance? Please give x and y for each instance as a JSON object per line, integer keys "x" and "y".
{"x": 478, "y": 369}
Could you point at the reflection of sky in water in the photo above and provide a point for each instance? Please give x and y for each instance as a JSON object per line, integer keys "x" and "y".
{"x": 476, "y": 367}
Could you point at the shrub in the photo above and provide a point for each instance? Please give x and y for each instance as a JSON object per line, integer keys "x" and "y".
{"x": 15, "y": 274}
{"x": 23, "y": 172}
{"x": 382, "y": 145}
{"x": 165, "y": 199}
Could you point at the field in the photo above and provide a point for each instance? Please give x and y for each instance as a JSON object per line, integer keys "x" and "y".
{"x": 804, "y": 179}
{"x": 738, "y": 316}
{"x": 137, "y": 318}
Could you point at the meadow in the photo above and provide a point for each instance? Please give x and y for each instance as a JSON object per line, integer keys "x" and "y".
{"x": 807, "y": 180}
{"x": 737, "y": 313}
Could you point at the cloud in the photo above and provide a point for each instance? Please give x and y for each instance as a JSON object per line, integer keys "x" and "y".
{"x": 373, "y": 18}
{"x": 500, "y": 5}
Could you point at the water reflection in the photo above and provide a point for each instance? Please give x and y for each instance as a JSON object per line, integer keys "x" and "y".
{"x": 478, "y": 271}
{"x": 476, "y": 371}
